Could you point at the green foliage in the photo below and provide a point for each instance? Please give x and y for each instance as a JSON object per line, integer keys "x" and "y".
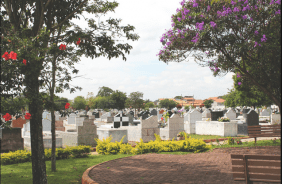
{"x": 245, "y": 94}
{"x": 166, "y": 103}
{"x": 101, "y": 102}
{"x": 187, "y": 107}
{"x": 21, "y": 156}
{"x": 231, "y": 141}
{"x": 118, "y": 99}
{"x": 149, "y": 105}
{"x": 223, "y": 119}
{"x": 79, "y": 103}
{"x": 105, "y": 147}
{"x": 178, "y": 97}
{"x": 208, "y": 103}
{"x": 135, "y": 100}
{"x": 105, "y": 91}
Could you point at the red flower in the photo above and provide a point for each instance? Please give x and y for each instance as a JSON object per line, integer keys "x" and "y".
{"x": 13, "y": 55}
{"x": 67, "y": 105}
{"x": 78, "y": 42}
{"x": 62, "y": 47}
{"x": 24, "y": 61}
{"x": 27, "y": 116}
{"x": 7, "y": 117}
{"x": 5, "y": 55}
{"x": 162, "y": 118}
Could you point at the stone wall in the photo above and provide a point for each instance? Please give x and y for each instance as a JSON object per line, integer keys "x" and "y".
{"x": 59, "y": 125}
{"x": 18, "y": 123}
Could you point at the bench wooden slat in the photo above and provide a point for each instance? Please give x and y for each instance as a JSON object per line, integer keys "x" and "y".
{"x": 257, "y": 170}
{"x": 238, "y": 175}
{"x": 265, "y": 157}
{"x": 264, "y": 130}
{"x": 265, "y": 126}
{"x": 262, "y": 180}
{"x": 257, "y": 163}
{"x": 264, "y": 135}
{"x": 264, "y": 176}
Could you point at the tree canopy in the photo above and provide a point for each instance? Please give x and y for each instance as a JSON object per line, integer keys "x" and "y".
{"x": 105, "y": 91}
{"x": 166, "y": 103}
{"x": 230, "y": 36}
{"x": 208, "y": 103}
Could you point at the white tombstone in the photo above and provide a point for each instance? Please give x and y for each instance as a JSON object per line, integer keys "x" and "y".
{"x": 230, "y": 114}
{"x": 206, "y": 113}
{"x": 265, "y": 112}
{"x": 191, "y": 117}
{"x": 71, "y": 118}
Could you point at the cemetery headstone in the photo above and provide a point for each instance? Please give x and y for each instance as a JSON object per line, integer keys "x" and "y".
{"x": 120, "y": 120}
{"x": 154, "y": 112}
{"x": 245, "y": 112}
{"x": 252, "y": 118}
{"x": 216, "y": 114}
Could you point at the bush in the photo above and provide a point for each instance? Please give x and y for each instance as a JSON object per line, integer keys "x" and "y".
{"x": 21, "y": 156}
{"x": 106, "y": 147}
{"x": 231, "y": 141}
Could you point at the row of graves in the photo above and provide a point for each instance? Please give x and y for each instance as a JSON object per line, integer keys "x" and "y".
{"x": 82, "y": 128}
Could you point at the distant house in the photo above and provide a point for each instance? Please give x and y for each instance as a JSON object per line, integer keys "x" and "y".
{"x": 187, "y": 101}
{"x": 218, "y": 103}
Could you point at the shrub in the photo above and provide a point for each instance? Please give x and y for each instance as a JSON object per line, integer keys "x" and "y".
{"x": 106, "y": 147}
{"x": 21, "y": 156}
{"x": 231, "y": 141}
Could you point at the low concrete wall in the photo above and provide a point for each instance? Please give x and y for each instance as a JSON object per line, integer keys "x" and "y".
{"x": 216, "y": 128}
{"x": 275, "y": 118}
{"x": 47, "y": 142}
{"x": 189, "y": 128}
{"x": 117, "y": 134}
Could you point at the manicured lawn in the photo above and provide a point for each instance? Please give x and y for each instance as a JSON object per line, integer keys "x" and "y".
{"x": 71, "y": 170}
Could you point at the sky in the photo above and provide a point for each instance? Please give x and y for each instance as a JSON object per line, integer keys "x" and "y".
{"x": 142, "y": 71}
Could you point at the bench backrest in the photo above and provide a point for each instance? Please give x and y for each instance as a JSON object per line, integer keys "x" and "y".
{"x": 264, "y": 131}
{"x": 248, "y": 167}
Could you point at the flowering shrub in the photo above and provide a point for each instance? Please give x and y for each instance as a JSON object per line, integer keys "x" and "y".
{"x": 106, "y": 147}
{"x": 223, "y": 119}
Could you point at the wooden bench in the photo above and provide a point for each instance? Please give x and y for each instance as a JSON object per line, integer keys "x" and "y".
{"x": 249, "y": 168}
{"x": 264, "y": 131}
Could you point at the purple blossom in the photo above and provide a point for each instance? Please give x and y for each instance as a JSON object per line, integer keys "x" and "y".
{"x": 173, "y": 24}
{"x": 207, "y": 52}
{"x": 278, "y": 2}
{"x": 251, "y": 19}
{"x": 182, "y": 3}
{"x": 238, "y": 75}
{"x": 256, "y": 43}
{"x": 223, "y": 7}
{"x": 179, "y": 19}
{"x": 183, "y": 17}
{"x": 200, "y": 26}
{"x": 244, "y": 16}
{"x": 219, "y": 13}
{"x": 256, "y": 7}
{"x": 272, "y": 2}
{"x": 278, "y": 12}
{"x": 195, "y": 5}
{"x": 177, "y": 10}
{"x": 189, "y": 17}
{"x": 229, "y": 11}
{"x": 186, "y": 11}
{"x": 246, "y": 2}
{"x": 208, "y": 8}
{"x": 256, "y": 32}
{"x": 263, "y": 39}
{"x": 239, "y": 83}
{"x": 195, "y": 39}
{"x": 232, "y": 2}
{"x": 236, "y": 9}
{"x": 201, "y": 15}
{"x": 213, "y": 24}
{"x": 162, "y": 39}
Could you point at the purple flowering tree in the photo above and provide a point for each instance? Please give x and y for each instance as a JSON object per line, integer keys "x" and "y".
{"x": 237, "y": 36}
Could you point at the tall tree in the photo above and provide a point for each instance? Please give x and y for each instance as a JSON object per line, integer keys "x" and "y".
{"x": 105, "y": 91}
{"x": 79, "y": 102}
{"x": 118, "y": 99}
{"x": 28, "y": 29}
{"x": 244, "y": 94}
{"x": 208, "y": 103}
{"x": 135, "y": 100}
{"x": 169, "y": 104}
{"x": 230, "y": 36}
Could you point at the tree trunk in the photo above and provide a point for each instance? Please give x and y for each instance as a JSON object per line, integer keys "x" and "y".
{"x": 37, "y": 147}
{"x": 53, "y": 153}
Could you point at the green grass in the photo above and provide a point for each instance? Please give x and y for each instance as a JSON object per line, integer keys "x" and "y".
{"x": 71, "y": 170}
{"x": 208, "y": 136}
